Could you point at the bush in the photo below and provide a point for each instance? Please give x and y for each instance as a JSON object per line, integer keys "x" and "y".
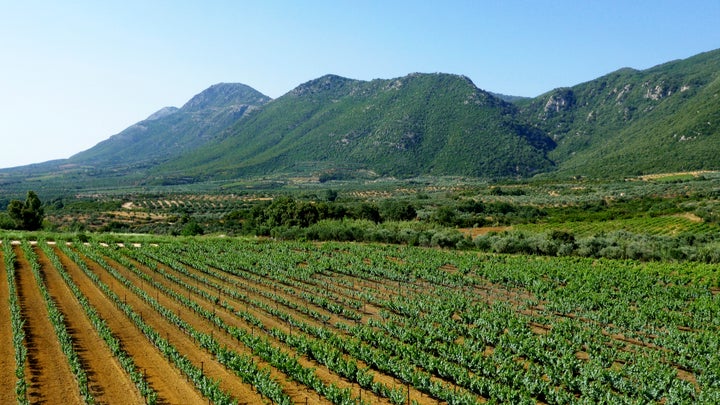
{"x": 192, "y": 228}
{"x": 447, "y": 238}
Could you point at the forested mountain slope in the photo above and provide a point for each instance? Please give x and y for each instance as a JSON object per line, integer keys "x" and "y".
{"x": 437, "y": 124}
{"x": 663, "y": 119}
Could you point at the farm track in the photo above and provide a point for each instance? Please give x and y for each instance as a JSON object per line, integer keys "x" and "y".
{"x": 7, "y": 352}
{"x": 109, "y": 384}
{"x": 229, "y": 382}
{"x": 171, "y": 386}
{"x": 298, "y": 393}
{"x": 49, "y": 377}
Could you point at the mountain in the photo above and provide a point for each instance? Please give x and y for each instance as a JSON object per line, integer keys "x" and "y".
{"x": 436, "y": 124}
{"x": 628, "y": 122}
{"x": 125, "y": 159}
{"x": 662, "y": 119}
{"x": 170, "y": 132}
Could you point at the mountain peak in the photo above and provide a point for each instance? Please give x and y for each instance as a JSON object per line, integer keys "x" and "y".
{"x": 322, "y": 84}
{"x": 225, "y": 94}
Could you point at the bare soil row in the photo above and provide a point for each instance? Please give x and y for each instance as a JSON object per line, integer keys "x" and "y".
{"x": 249, "y": 287}
{"x": 109, "y": 383}
{"x": 7, "y": 352}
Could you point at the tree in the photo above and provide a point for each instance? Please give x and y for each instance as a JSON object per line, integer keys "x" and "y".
{"x": 331, "y": 195}
{"x": 397, "y": 210}
{"x": 369, "y": 211}
{"x": 192, "y": 228}
{"x": 28, "y": 215}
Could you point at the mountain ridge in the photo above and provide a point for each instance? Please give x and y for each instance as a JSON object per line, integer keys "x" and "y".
{"x": 387, "y": 126}
{"x": 627, "y": 122}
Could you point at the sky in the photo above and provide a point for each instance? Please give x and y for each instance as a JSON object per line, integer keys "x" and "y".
{"x": 73, "y": 73}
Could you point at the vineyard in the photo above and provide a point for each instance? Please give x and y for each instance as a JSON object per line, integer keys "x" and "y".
{"x": 250, "y": 321}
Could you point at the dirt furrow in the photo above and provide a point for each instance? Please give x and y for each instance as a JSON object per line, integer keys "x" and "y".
{"x": 7, "y": 351}
{"x": 49, "y": 377}
{"x": 229, "y": 381}
{"x": 109, "y": 383}
{"x": 170, "y": 385}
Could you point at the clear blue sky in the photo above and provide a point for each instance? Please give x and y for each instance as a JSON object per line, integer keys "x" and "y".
{"x": 74, "y": 73}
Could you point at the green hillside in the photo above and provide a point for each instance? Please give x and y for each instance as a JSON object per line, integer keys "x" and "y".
{"x": 629, "y": 122}
{"x": 436, "y": 124}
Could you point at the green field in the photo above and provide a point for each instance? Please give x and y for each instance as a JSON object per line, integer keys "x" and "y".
{"x": 398, "y": 324}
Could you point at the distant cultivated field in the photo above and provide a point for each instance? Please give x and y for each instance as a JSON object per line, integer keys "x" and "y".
{"x": 217, "y": 320}
{"x": 668, "y": 225}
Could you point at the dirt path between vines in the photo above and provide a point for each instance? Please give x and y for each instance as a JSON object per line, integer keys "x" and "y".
{"x": 170, "y": 385}
{"x": 229, "y": 381}
{"x": 7, "y": 351}
{"x": 50, "y": 380}
{"x": 108, "y": 382}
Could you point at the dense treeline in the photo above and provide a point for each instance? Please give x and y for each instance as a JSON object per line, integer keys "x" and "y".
{"x": 287, "y": 212}
{"x": 398, "y": 221}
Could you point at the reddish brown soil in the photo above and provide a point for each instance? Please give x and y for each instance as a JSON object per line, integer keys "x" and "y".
{"x": 108, "y": 382}
{"x": 322, "y": 372}
{"x": 171, "y": 386}
{"x": 49, "y": 377}
{"x": 342, "y": 291}
{"x": 7, "y": 352}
